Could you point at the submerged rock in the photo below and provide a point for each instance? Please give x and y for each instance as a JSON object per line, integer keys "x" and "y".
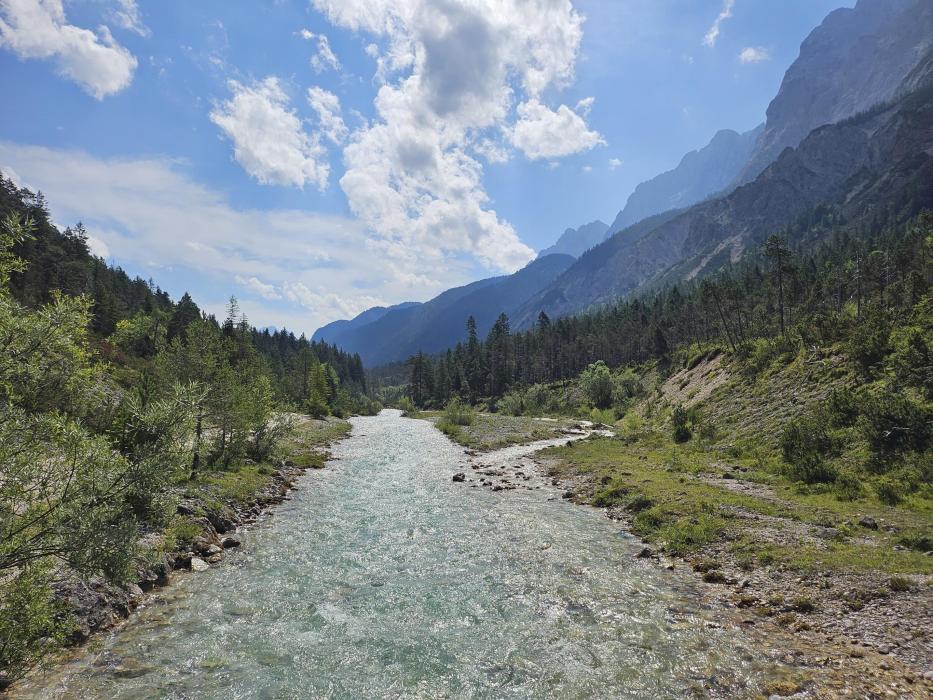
{"x": 459, "y": 476}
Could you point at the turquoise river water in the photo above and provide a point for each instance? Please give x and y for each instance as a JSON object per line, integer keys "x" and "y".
{"x": 381, "y": 578}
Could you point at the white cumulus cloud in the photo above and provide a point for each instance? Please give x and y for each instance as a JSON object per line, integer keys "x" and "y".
{"x": 725, "y": 13}
{"x": 269, "y": 140}
{"x": 266, "y": 291}
{"x": 614, "y": 163}
{"x": 327, "y": 107}
{"x": 541, "y": 132}
{"x": 324, "y": 58}
{"x": 754, "y": 54}
{"x": 39, "y": 29}
{"x": 451, "y": 73}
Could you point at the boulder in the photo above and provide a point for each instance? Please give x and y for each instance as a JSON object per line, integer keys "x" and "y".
{"x": 229, "y": 542}
{"x": 199, "y": 564}
{"x": 868, "y": 523}
{"x": 459, "y": 476}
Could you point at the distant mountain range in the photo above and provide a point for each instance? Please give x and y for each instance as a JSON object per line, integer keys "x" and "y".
{"x": 699, "y": 175}
{"x": 333, "y": 331}
{"x": 851, "y": 128}
{"x": 397, "y": 333}
{"x": 576, "y": 241}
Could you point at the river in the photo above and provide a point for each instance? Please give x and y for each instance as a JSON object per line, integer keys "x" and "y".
{"x": 381, "y": 578}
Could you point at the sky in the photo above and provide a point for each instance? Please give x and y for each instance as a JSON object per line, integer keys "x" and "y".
{"x": 318, "y": 157}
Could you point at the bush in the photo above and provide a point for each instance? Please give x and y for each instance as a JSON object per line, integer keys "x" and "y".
{"x": 893, "y": 424}
{"x": 890, "y": 491}
{"x": 458, "y": 413}
{"x": 605, "y": 416}
{"x": 804, "y": 445}
{"x": 407, "y": 406}
{"x": 597, "y": 383}
{"x": 679, "y": 420}
{"x": 632, "y": 424}
{"x": 512, "y": 404}
{"x": 842, "y": 408}
{"x": 869, "y": 343}
{"x": 687, "y": 534}
{"x": 848, "y": 487}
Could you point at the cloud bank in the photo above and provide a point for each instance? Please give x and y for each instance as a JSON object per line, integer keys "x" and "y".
{"x": 461, "y": 82}
{"x": 38, "y": 29}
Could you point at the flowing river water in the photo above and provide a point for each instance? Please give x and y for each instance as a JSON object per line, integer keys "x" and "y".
{"x": 381, "y": 578}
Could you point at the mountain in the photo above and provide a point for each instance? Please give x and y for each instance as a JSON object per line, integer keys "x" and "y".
{"x": 576, "y": 241}
{"x": 881, "y": 159}
{"x": 441, "y": 322}
{"x": 332, "y": 332}
{"x": 854, "y": 60}
{"x": 700, "y": 174}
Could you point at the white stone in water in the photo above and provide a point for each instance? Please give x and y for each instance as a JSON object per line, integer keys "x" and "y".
{"x": 199, "y": 564}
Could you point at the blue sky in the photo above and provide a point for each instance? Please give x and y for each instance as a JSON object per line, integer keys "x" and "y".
{"x": 316, "y": 157}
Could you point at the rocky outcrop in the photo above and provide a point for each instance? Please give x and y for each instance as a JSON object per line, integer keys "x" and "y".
{"x": 879, "y": 158}
{"x": 853, "y": 61}
{"x": 576, "y": 241}
{"x": 699, "y": 175}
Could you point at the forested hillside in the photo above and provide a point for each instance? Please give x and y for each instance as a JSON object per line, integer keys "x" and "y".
{"x": 858, "y": 285}
{"x": 115, "y": 403}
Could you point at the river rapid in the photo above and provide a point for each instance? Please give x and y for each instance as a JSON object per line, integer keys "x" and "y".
{"x": 382, "y": 578}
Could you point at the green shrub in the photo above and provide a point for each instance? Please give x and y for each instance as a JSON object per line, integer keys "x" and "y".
{"x": 679, "y": 423}
{"x": 869, "y": 343}
{"x": 687, "y": 534}
{"x": 912, "y": 360}
{"x": 893, "y": 424}
{"x": 848, "y": 487}
{"x": 407, "y": 406}
{"x": 804, "y": 444}
{"x": 451, "y": 430}
{"x": 610, "y": 496}
{"x": 512, "y": 404}
{"x": 639, "y": 503}
{"x": 597, "y": 383}
{"x": 458, "y": 413}
{"x": 842, "y": 407}
{"x": 33, "y": 622}
{"x": 890, "y": 491}
{"x": 900, "y": 584}
{"x": 604, "y": 416}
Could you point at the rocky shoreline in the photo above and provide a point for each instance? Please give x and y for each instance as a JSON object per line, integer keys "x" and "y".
{"x": 827, "y": 636}
{"x": 97, "y": 605}
{"x": 840, "y": 634}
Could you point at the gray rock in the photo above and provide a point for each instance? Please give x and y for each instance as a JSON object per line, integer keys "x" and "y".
{"x": 199, "y": 564}
{"x": 229, "y": 542}
{"x": 868, "y": 523}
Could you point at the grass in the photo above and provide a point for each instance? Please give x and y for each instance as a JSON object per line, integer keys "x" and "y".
{"x": 492, "y": 431}
{"x": 675, "y": 500}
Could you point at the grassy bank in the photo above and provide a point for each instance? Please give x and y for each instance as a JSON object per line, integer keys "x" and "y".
{"x": 483, "y": 432}
{"x": 771, "y": 485}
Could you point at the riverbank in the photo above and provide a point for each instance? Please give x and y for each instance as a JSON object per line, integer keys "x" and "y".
{"x": 211, "y": 508}
{"x": 832, "y": 588}
{"x": 838, "y": 593}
